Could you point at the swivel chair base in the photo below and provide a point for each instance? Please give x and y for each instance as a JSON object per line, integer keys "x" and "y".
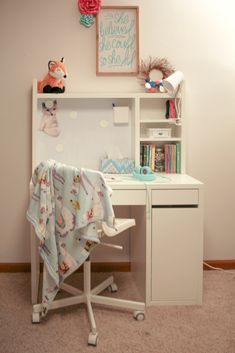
{"x": 89, "y": 296}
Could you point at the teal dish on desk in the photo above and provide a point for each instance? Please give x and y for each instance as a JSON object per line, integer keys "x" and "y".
{"x": 145, "y": 177}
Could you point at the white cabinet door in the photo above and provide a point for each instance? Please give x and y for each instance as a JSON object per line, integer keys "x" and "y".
{"x": 177, "y": 247}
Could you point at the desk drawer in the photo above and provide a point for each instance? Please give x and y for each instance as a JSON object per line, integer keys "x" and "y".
{"x": 175, "y": 197}
{"x": 129, "y": 197}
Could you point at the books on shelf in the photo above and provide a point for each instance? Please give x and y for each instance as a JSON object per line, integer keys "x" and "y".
{"x": 161, "y": 159}
{"x": 178, "y": 158}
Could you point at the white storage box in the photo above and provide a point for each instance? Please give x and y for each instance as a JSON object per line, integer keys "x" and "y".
{"x": 159, "y": 133}
{"x": 121, "y": 115}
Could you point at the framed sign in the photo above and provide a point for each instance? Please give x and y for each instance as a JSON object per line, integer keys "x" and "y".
{"x": 117, "y": 40}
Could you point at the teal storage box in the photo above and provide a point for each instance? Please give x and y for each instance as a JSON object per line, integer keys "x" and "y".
{"x": 117, "y": 166}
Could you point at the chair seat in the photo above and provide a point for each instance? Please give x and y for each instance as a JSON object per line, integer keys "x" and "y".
{"x": 120, "y": 225}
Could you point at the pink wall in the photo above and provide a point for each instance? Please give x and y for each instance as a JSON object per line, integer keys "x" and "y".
{"x": 197, "y": 37}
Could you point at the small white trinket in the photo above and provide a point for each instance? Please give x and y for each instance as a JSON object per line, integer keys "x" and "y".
{"x": 59, "y": 147}
{"x": 103, "y": 123}
{"x": 73, "y": 114}
{"x": 49, "y": 104}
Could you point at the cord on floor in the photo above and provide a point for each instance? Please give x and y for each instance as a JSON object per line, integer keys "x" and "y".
{"x": 218, "y": 268}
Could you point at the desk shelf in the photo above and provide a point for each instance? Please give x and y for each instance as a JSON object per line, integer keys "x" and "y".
{"x": 161, "y": 121}
{"x": 152, "y": 139}
{"x": 152, "y": 117}
{"x": 78, "y": 95}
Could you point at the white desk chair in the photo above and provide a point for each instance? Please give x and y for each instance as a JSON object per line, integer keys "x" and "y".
{"x": 88, "y": 295}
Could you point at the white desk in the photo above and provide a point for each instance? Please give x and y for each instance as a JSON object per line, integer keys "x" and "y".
{"x": 167, "y": 242}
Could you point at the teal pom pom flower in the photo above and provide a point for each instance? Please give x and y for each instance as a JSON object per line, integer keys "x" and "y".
{"x": 87, "y": 20}
{"x": 89, "y": 7}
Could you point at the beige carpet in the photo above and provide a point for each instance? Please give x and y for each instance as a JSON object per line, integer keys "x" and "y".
{"x": 209, "y": 328}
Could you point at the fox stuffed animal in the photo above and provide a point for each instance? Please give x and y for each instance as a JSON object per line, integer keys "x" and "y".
{"x": 54, "y": 81}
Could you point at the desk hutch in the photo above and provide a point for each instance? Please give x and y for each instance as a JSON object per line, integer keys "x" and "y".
{"x": 166, "y": 250}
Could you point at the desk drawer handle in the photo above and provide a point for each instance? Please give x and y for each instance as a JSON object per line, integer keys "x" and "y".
{"x": 174, "y": 206}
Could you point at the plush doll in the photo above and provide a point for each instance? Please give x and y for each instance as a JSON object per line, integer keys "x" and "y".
{"x": 53, "y": 82}
{"x": 49, "y": 123}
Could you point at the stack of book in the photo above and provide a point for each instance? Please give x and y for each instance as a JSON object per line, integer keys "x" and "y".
{"x": 172, "y": 157}
{"x": 147, "y": 155}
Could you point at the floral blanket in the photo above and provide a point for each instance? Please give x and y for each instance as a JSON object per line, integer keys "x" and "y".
{"x": 66, "y": 205}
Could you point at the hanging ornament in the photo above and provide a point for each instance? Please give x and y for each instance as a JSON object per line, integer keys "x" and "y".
{"x": 87, "y": 20}
{"x": 149, "y": 66}
{"x": 88, "y": 9}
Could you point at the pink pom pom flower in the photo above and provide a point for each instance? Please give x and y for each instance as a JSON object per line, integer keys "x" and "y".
{"x": 89, "y": 7}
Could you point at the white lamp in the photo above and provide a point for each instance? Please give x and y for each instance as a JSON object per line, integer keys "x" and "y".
{"x": 172, "y": 82}
{"x": 172, "y": 85}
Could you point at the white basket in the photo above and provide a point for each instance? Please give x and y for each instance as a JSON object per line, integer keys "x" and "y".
{"x": 159, "y": 133}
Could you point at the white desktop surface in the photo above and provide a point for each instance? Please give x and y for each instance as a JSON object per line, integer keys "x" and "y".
{"x": 164, "y": 181}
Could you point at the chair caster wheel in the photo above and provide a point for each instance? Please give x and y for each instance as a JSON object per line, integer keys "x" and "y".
{"x": 36, "y": 318}
{"x": 139, "y": 315}
{"x": 112, "y": 288}
{"x": 92, "y": 339}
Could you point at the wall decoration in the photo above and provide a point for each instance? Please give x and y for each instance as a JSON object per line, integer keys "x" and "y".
{"x": 88, "y": 10}
{"x": 73, "y": 114}
{"x": 87, "y": 20}
{"x": 148, "y": 69}
{"x": 59, "y": 147}
{"x": 49, "y": 123}
{"x": 117, "y": 40}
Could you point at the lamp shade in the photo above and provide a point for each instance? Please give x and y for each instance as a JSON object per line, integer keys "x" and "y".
{"x": 172, "y": 82}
